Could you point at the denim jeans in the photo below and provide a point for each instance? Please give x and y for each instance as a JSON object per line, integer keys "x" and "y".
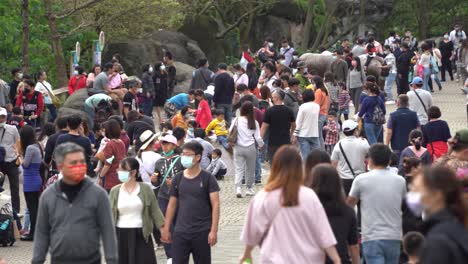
{"x": 321, "y": 123}
{"x": 427, "y": 76}
{"x": 223, "y": 141}
{"x": 437, "y": 80}
{"x": 372, "y": 132}
{"x": 227, "y": 108}
{"x": 381, "y": 251}
{"x": 27, "y": 221}
{"x": 52, "y": 112}
{"x": 307, "y": 144}
{"x": 258, "y": 167}
{"x": 388, "y": 86}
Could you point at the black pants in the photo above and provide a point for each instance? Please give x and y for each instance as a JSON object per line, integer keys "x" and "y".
{"x": 11, "y": 170}
{"x": 184, "y": 244}
{"x": 446, "y": 66}
{"x": 32, "y": 202}
{"x": 271, "y": 152}
{"x": 220, "y": 174}
{"x": 347, "y": 183}
{"x": 403, "y": 86}
{"x": 163, "y": 203}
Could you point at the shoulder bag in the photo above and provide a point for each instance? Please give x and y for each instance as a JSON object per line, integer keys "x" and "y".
{"x": 55, "y": 100}
{"x": 232, "y": 138}
{"x": 347, "y": 161}
{"x": 167, "y": 172}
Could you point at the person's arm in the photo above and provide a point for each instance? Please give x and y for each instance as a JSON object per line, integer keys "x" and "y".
{"x": 215, "y": 205}
{"x": 170, "y": 212}
{"x": 354, "y": 194}
{"x": 28, "y": 156}
{"x": 389, "y": 136}
{"x": 49, "y": 150}
{"x": 352, "y": 201}
{"x": 107, "y": 228}
{"x": 333, "y": 254}
{"x": 210, "y": 127}
{"x": 264, "y": 129}
{"x": 40, "y": 104}
{"x": 156, "y": 214}
{"x": 353, "y": 251}
{"x": 247, "y": 254}
{"x": 293, "y": 127}
{"x": 42, "y": 233}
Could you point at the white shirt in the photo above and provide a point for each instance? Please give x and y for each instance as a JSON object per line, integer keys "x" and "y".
{"x": 130, "y": 209}
{"x": 425, "y": 60}
{"x": 246, "y": 137}
{"x": 147, "y": 164}
{"x": 415, "y": 103}
{"x": 456, "y": 39}
{"x": 269, "y": 82}
{"x": 356, "y": 150}
{"x": 41, "y": 87}
{"x": 390, "y": 60}
{"x": 241, "y": 79}
{"x": 307, "y": 120}
{"x": 288, "y": 54}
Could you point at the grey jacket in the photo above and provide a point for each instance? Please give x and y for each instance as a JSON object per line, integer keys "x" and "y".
{"x": 356, "y": 79}
{"x": 72, "y": 231}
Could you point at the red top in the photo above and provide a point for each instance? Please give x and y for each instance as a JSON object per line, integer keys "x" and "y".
{"x": 247, "y": 56}
{"x": 75, "y": 84}
{"x": 40, "y": 102}
{"x": 125, "y": 139}
{"x": 116, "y": 148}
{"x": 203, "y": 114}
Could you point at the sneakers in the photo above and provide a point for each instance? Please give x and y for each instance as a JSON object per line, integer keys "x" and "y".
{"x": 239, "y": 192}
{"x": 250, "y": 192}
{"x": 258, "y": 182}
{"x": 390, "y": 102}
{"x": 169, "y": 261}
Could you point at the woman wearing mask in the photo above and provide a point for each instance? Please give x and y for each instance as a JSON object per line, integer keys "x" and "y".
{"x": 95, "y": 71}
{"x": 326, "y": 183}
{"x": 436, "y": 134}
{"x": 245, "y": 148}
{"x": 356, "y": 79}
{"x": 160, "y": 88}
{"x": 438, "y": 194}
{"x": 45, "y": 88}
{"x": 368, "y": 112}
{"x": 240, "y": 76}
{"x": 32, "y": 158}
{"x": 390, "y": 65}
{"x": 203, "y": 114}
{"x": 288, "y": 212}
{"x": 323, "y": 100}
{"x": 425, "y": 62}
{"x": 77, "y": 81}
{"x": 148, "y": 89}
{"x": 415, "y": 149}
{"x": 136, "y": 213}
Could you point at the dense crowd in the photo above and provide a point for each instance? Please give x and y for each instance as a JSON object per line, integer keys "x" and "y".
{"x": 342, "y": 188}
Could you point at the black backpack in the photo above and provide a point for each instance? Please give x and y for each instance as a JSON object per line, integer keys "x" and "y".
{"x": 7, "y": 232}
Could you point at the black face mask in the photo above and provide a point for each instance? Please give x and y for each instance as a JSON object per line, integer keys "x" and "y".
{"x": 27, "y": 90}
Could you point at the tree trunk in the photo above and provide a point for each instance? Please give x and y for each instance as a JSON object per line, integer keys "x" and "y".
{"x": 308, "y": 25}
{"x": 60, "y": 66}
{"x": 25, "y": 36}
{"x": 424, "y": 10}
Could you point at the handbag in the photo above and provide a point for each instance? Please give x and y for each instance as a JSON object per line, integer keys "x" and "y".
{"x": 55, "y": 100}
{"x": 433, "y": 65}
{"x": 232, "y": 138}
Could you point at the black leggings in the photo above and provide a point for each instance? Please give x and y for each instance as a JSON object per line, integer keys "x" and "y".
{"x": 32, "y": 202}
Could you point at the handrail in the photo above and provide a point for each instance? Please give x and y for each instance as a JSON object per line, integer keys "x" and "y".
{"x": 60, "y": 91}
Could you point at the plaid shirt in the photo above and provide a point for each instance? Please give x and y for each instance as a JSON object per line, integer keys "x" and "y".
{"x": 343, "y": 100}
{"x": 333, "y": 133}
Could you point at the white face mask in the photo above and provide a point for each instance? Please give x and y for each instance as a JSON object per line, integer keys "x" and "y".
{"x": 295, "y": 57}
{"x": 270, "y": 44}
{"x": 140, "y": 90}
{"x": 150, "y": 70}
{"x": 162, "y": 68}
{"x": 20, "y": 76}
{"x": 75, "y": 72}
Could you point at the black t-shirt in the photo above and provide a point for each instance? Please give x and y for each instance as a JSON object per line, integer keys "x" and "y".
{"x": 193, "y": 201}
{"x": 130, "y": 101}
{"x": 344, "y": 227}
{"x": 71, "y": 191}
{"x": 446, "y": 49}
{"x": 81, "y": 141}
{"x": 279, "y": 117}
{"x": 136, "y": 128}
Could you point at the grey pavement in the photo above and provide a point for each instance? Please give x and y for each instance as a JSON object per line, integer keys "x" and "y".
{"x": 229, "y": 248}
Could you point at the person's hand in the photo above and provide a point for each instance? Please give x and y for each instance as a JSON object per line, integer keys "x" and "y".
{"x": 244, "y": 258}
{"x": 294, "y": 140}
{"x": 212, "y": 238}
{"x": 166, "y": 235}
{"x": 154, "y": 177}
{"x": 168, "y": 181}
{"x": 33, "y": 116}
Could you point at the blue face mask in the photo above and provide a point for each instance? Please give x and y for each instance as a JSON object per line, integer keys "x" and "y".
{"x": 167, "y": 154}
{"x": 187, "y": 162}
{"x": 123, "y": 176}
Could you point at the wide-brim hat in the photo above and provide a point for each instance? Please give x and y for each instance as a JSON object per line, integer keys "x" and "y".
{"x": 146, "y": 138}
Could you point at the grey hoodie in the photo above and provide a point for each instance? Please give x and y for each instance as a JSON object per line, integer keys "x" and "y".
{"x": 72, "y": 231}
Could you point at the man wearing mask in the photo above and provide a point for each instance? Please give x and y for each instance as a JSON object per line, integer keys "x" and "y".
{"x": 447, "y": 51}
{"x": 413, "y": 42}
{"x": 8, "y": 138}
{"x": 457, "y": 35}
{"x": 17, "y": 78}
{"x": 339, "y": 67}
{"x": 287, "y": 52}
{"x": 171, "y": 72}
{"x": 32, "y": 103}
{"x": 76, "y": 204}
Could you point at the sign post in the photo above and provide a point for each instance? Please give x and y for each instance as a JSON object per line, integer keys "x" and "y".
{"x": 98, "y": 46}
{"x": 75, "y": 58}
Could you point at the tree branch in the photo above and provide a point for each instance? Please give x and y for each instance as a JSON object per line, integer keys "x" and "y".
{"x": 226, "y": 30}
{"x": 78, "y": 8}
{"x": 76, "y": 29}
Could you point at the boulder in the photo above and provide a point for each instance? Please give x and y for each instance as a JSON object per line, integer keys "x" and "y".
{"x": 184, "y": 71}
{"x": 76, "y": 100}
{"x": 137, "y": 52}
{"x": 66, "y": 111}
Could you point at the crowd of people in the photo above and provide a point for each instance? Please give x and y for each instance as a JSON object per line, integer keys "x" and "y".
{"x": 341, "y": 188}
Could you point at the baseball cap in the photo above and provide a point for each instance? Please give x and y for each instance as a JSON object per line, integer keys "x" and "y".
{"x": 3, "y": 111}
{"x": 169, "y": 139}
{"x": 417, "y": 80}
{"x": 349, "y": 125}
{"x": 146, "y": 138}
{"x": 462, "y": 136}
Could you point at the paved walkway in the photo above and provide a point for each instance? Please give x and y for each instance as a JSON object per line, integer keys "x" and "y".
{"x": 450, "y": 100}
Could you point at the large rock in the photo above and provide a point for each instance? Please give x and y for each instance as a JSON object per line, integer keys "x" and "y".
{"x": 150, "y": 49}
{"x": 66, "y": 111}
{"x": 76, "y": 100}
{"x": 183, "y": 77}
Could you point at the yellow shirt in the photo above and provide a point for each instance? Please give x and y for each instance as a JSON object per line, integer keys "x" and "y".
{"x": 219, "y": 127}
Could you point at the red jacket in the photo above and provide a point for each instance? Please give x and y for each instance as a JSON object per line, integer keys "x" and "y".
{"x": 203, "y": 114}
{"x": 39, "y": 106}
{"x": 247, "y": 56}
{"x": 75, "y": 84}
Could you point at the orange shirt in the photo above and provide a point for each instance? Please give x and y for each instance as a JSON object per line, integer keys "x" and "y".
{"x": 179, "y": 121}
{"x": 323, "y": 100}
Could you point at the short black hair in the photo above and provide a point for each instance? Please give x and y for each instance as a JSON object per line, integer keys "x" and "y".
{"x": 293, "y": 81}
{"x": 349, "y": 132}
{"x": 308, "y": 96}
{"x": 394, "y": 160}
{"x": 14, "y": 71}
{"x": 270, "y": 66}
{"x": 118, "y": 119}
{"x": 380, "y": 154}
{"x": 219, "y": 112}
{"x": 434, "y": 112}
{"x": 108, "y": 66}
{"x": 222, "y": 66}
{"x": 199, "y": 133}
{"x": 202, "y": 62}
{"x": 332, "y": 113}
{"x": 168, "y": 54}
{"x": 360, "y": 41}
{"x": 413, "y": 243}
{"x": 184, "y": 110}
{"x": 80, "y": 69}
{"x": 194, "y": 146}
{"x": 242, "y": 87}
{"x": 405, "y": 45}
{"x": 74, "y": 121}
{"x": 29, "y": 82}
{"x": 192, "y": 123}
{"x": 191, "y": 92}
{"x": 217, "y": 152}
{"x": 179, "y": 133}
{"x": 199, "y": 92}
{"x": 17, "y": 110}
{"x": 61, "y": 122}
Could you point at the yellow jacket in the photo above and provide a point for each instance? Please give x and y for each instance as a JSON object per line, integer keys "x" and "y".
{"x": 219, "y": 127}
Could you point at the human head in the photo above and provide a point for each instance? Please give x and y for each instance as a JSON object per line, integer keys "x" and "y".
{"x": 28, "y": 86}
{"x": 403, "y": 101}
{"x": 379, "y": 156}
{"x": 202, "y": 63}
{"x": 74, "y": 122}
{"x": 191, "y": 95}
{"x": 284, "y": 43}
{"x": 118, "y": 119}
{"x": 404, "y": 46}
{"x": 199, "y": 133}
{"x": 315, "y": 157}
{"x": 191, "y": 154}
{"x": 417, "y": 82}
{"x": 269, "y": 68}
{"x": 216, "y": 153}
{"x": 356, "y": 63}
{"x": 27, "y": 137}
{"x": 349, "y": 127}
{"x": 199, "y": 95}
{"x": 108, "y": 68}
{"x": 242, "y": 88}
{"x": 434, "y": 112}
{"x": 251, "y": 67}
{"x": 238, "y": 68}
{"x": 411, "y": 166}
{"x": 168, "y": 145}
{"x": 116, "y": 57}
{"x": 459, "y": 144}
{"x": 373, "y": 88}
{"x": 293, "y": 84}
{"x": 265, "y": 92}
{"x": 179, "y": 133}
{"x": 132, "y": 115}
{"x": 112, "y": 129}
{"x": 47, "y": 130}
{"x": 360, "y": 41}
{"x": 17, "y": 73}
{"x": 329, "y": 77}
{"x": 222, "y": 67}
{"x": 308, "y": 96}
{"x": 61, "y": 122}
{"x": 415, "y": 138}
{"x": 219, "y": 113}
{"x": 71, "y": 162}
{"x": 278, "y": 96}
{"x": 408, "y": 33}
{"x": 425, "y": 47}
{"x": 331, "y": 115}
{"x": 286, "y": 174}
{"x": 17, "y": 110}
{"x": 413, "y": 243}
{"x": 96, "y": 69}
{"x": 79, "y": 69}
{"x": 440, "y": 189}
{"x": 129, "y": 170}
{"x": 167, "y": 56}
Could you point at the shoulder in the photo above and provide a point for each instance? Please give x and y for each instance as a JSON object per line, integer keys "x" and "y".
{"x": 115, "y": 190}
